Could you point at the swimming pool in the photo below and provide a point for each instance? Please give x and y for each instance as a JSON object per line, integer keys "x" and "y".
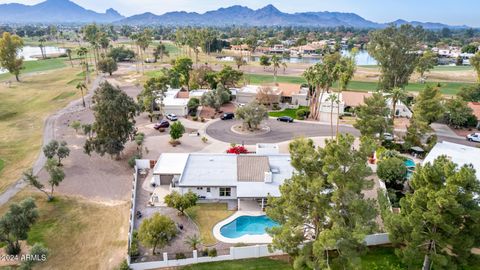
{"x": 410, "y": 163}
{"x": 247, "y": 225}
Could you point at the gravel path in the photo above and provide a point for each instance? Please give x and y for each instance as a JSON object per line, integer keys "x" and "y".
{"x": 48, "y": 135}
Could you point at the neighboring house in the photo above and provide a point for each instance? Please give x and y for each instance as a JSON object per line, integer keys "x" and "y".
{"x": 249, "y": 93}
{"x": 250, "y": 177}
{"x": 282, "y": 93}
{"x": 476, "y": 111}
{"x": 459, "y": 154}
{"x": 176, "y": 100}
{"x": 355, "y": 99}
{"x": 329, "y": 110}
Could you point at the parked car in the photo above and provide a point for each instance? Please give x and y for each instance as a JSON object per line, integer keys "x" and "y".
{"x": 161, "y": 124}
{"x": 474, "y": 137}
{"x": 287, "y": 119}
{"x": 227, "y": 116}
{"x": 172, "y": 117}
{"x": 388, "y": 137}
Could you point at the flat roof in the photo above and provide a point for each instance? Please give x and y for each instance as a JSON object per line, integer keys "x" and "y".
{"x": 459, "y": 154}
{"x": 171, "y": 163}
{"x": 210, "y": 170}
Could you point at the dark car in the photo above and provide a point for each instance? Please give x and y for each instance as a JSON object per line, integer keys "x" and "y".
{"x": 161, "y": 124}
{"x": 287, "y": 119}
{"x": 227, "y": 116}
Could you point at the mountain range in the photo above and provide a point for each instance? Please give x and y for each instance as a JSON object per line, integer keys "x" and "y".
{"x": 54, "y": 11}
{"x": 66, "y": 11}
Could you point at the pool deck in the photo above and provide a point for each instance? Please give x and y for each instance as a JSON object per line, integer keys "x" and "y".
{"x": 247, "y": 239}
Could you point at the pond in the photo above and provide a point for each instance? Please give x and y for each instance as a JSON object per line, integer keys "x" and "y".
{"x": 29, "y": 53}
{"x": 362, "y": 58}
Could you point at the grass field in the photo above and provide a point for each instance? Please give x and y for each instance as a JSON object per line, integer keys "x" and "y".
{"x": 36, "y": 66}
{"x": 79, "y": 234}
{"x": 252, "y": 264}
{"x": 449, "y": 88}
{"x": 23, "y": 109}
{"x": 2, "y": 164}
{"x": 206, "y": 216}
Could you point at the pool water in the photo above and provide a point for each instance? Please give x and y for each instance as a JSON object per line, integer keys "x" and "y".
{"x": 410, "y": 163}
{"x": 247, "y": 225}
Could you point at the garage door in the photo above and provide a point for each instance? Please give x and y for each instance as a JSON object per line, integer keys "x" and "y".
{"x": 166, "y": 179}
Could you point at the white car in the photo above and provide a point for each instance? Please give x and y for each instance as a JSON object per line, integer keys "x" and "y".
{"x": 474, "y": 137}
{"x": 172, "y": 117}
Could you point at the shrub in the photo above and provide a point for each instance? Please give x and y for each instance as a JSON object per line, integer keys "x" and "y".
{"x": 205, "y": 252}
{"x": 204, "y": 139}
{"x": 276, "y": 107}
{"x": 131, "y": 160}
{"x": 202, "y": 119}
{"x": 195, "y": 118}
{"x": 180, "y": 256}
{"x": 124, "y": 266}
{"x": 212, "y": 252}
{"x": 302, "y": 114}
{"x": 134, "y": 251}
{"x": 76, "y": 125}
{"x": 237, "y": 150}
{"x": 392, "y": 170}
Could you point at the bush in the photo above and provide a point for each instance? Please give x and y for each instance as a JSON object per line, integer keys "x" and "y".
{"x": 180, "y": 256}
{"x": 76, "y": 125}
{"x": 392, "y": 170}
{"x": 237, "y": 150}
{"x": 212, "y": 252}
{"x": 204, "y": 139}
{"x": 124, "y": 266}
{"x": 202, "y": 119}
{"x": 302, "y": 114}
{"x": 195, "y": 118}
{"x": 276, "y": 107}
{"x": 131, "y": 160}
{"x": 204, "y": 252}
{"x": 134, "y": 251}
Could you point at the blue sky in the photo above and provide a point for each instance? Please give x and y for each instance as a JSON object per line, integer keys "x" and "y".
{"x": 457, "y": 12}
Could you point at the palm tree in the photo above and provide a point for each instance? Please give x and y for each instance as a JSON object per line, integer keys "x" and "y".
{"x": 334, "y": 98}
{"x": 397, "y": 94}
{"x": 346, "y": 71}
{"x": 193, "y": 241}
{"x": 40, "y": 45}
{"x": 82, "y": 53}
{"x": 276, "y": 63}
{"x": 160, "y": 51}
{"x": 81, "y": 86}
{"x": 284, "y": 65}
{"x": 69, "y": 53}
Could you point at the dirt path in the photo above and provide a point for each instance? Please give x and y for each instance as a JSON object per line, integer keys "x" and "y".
{"x": 48, "y": 135}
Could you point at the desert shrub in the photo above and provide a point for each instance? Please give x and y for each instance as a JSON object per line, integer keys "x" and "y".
{"x": 212, "y": 252}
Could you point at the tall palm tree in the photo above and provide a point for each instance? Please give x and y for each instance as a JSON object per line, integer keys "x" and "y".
{"x": 81, "y": 86}
{"x": 334, "y": 98}
{"x": 69, "y": 53}
{"x": 160, "y": 51}
{"x": 346, "y": 71}
{"x": 40, "y": 45}
{"x": 82, "y": 53}
{"x": 276, "y": 63}
{"x": 395, "y": 95}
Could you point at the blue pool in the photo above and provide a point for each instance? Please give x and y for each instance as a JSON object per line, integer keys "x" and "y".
{"x": 410, "y": 163}
{"x": 247, "y": 225}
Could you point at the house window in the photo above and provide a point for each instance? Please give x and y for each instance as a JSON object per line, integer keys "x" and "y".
{"x": 199, "y": 188}
{"x": 225, "y": 192}
{"x": 208, "y": 189}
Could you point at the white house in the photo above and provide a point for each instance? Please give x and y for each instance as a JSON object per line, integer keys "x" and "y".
{"x": 174, "y": 103}
{"x": 457, "y": 153}
{"x": 327, "y": 107}
{"x": 224, "y": 176}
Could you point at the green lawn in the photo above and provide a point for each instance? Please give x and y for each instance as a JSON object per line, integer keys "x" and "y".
{"x": 36, "y": 66}
{"x": 206, "y": 216}
{"x": 449, "y": 88}
{"x": 2, "y": 164}
{"x": 287, "y": 112}
{"x": 252, "y": 264}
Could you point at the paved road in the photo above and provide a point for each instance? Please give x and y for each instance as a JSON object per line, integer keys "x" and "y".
{"x": 280, "y": 132}
{"x": 48, "y": 135}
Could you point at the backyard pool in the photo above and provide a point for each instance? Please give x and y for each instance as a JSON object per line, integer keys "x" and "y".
{"x": 247, "y": 225}
{"x": 410, "y": 164}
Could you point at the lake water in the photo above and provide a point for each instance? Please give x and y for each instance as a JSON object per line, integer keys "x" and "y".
{"x": 362, "y": 58}
{"x": 29, "y": 52}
